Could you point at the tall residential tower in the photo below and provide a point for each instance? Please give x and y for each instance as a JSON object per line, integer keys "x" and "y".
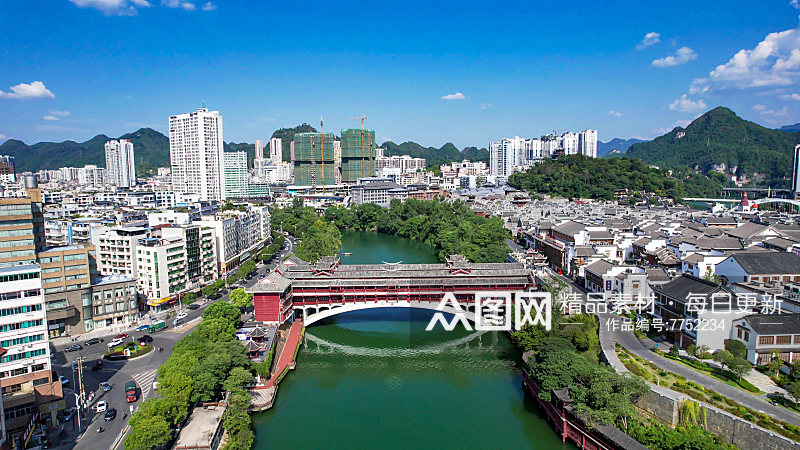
{"x": 196, "y": 154}
{"x": 120, "y": 168}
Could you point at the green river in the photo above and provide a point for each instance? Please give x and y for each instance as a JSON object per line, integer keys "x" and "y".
{"x": 377, "y": 379}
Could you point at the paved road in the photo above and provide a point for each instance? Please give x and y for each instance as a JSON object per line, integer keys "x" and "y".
{"x": 141, "y": 370}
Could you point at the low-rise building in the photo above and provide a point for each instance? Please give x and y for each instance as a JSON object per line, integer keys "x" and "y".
{"x": 765, "y": 335}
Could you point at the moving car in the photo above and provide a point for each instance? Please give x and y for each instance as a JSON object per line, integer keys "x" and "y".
{"x": 111, "y": 414}
{"x": 130, "y": 391}
{"x": 101, "y": 406}
{"x": 93, "y": 341}
{"x": 193, "y": 306}
{"x": 121, "y": 336}
{"x": 177, "y": 322}
{"x": 181, "y": 315}
{"x": 142, "y": 327}
{"x": 64, "y": 380}
{"x": 73, "y": 348}
{"x": 145, "y": 338}
{"x": 105, "y": 386}
{"x": 158, "y": 326}
{"x": 115, "y": 343}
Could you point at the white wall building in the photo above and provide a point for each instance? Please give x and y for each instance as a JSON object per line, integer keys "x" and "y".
{"x": 276, "y": 151}
{"x": 196, "y": 154}
{"x": 120, "y": 166}
{"x": 587, "y": 143}
{"x": 116, "y": 249}
{"x": 235, "y": 169}
{"x": 506, "y": 154}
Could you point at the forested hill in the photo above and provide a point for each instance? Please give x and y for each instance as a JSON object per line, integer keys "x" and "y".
{"x": 578, "y": 176}
{"x": 436, "y": 156}
{"x": 150, "y": 148}
{"x": 721, "y": 140}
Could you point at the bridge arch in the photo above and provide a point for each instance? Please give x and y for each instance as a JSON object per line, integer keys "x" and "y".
{"x": 333, "y": 310}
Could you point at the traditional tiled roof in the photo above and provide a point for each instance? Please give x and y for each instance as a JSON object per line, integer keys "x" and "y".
{"x": 774, "y": 323}
{"x": 767, "y": 263}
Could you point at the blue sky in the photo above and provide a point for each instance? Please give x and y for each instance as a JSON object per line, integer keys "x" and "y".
{"x": 432, "y": 72}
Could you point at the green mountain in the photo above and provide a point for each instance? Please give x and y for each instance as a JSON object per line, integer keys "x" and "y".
{"x": 287, "y": 136}
{"x": 151, "y": 150}
{"x": 719, "y": 140}
{"x": 435, "y": 156}
{"x": 790, "y": 128}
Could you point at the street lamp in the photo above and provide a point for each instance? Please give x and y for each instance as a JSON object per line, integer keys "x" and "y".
{"x": 78, "y": 412}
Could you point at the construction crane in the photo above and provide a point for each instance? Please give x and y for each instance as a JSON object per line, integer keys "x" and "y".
{"x": 322, "y": 143}
{"x": 363, "y": 118}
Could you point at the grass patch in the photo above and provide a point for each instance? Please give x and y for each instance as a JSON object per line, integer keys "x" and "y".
{"x": 715, "y": 372}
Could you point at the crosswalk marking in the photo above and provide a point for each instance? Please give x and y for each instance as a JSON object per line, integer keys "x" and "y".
{"x": 145, "y": 382}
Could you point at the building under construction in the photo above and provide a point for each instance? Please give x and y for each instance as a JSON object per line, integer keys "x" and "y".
{"x": 358, "y": 154}
{"x": 314, "y": 162}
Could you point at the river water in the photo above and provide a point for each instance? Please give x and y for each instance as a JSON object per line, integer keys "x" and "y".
{"x": 376, "y": 379}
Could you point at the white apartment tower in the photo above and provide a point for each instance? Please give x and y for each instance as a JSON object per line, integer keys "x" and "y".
{"x": 259, "y": 149}
{"x": 276, "y": 151}
{"x": 506, "y": 154}
{"x": 796, "y": 172}
{"x": 120, "y": 168}
{"x": 587, "y": 143}
{"x": 196, "y": 154}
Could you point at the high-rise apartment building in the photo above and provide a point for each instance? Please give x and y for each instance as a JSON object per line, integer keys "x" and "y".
{"x": 796, "y": 172}
{"x": 259, "y": 147}
{"x": 22, "y": 232}
{"x": 276, "y": 151}
{"x": 314, "y": 159}
{"x": 161, "y": 265}
{"x": 506, "y": 154}
{"x": 120, "y": 166}
{"x": 235, "y": 170}
{"x": 587, "y": 143}
{"x": 358, "y": 154}
{"x": 7, "y": 169}
{"x": 196, "y": 154}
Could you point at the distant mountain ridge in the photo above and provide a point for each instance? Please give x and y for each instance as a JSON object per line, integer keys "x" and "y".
{"x": 620, "y": 145}
{"x": 721, "y": 141}
{"x": 790, "y": 128}
{"x": 436, "y": 156}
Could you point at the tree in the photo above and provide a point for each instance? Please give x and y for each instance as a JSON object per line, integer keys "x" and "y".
{"x": 189, "y": 297}
{"x": 739, "y": 366}
{"x": 209, "y": 290}
{"x": 691, "y": 350}
{"x": 241, "y": 299}
{"x": 147, "y": 432}
{"x": 774, "y": 363}
{"x": 673, "y": 350}
{"x": 216, "y": 330}
{"x": 321, "y": 239}
{"x": 237, "y": 379}
{"x": 794, "y": 390}
{"x": 703, "y": 352}
{"x": 723, "y": 357}
{"x": 736, "y": 347}
{"x": 223, "y": 310}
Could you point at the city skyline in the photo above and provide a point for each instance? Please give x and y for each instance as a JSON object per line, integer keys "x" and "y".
{"x": 461, "y": 76}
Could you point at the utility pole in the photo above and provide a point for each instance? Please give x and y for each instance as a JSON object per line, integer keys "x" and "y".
{"x": 81, "y": 396}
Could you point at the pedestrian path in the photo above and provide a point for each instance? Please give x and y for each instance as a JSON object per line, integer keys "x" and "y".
{"x": 145, "y": 382}
{"x": 287, "y": 355}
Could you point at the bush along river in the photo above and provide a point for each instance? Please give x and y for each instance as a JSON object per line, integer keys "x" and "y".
{"x": 377, "y": 379}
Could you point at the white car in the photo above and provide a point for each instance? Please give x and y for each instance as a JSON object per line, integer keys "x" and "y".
{"x": 182, "y": 315}
{"x": 101, "y": 406}
{"x": 64, "y": 380}
{"x": 115, "y": 343}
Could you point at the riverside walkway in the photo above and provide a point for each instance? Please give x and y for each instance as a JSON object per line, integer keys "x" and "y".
{"x": 286, "y": 358}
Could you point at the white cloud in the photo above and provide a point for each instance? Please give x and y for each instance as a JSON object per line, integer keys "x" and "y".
{"x": 456, "y": 96}
{"x": 795, "y": 97}
{"x": 2, "y": 136}
{"x": 208, "y": 6}
{"x": 615, "y": 113}
{"x": 685, "y": 104}
{"x": 681, "y": 56}
{"x": 186, "y": 6}
{"x": 50, "y": 117}
{"x": 485, "y": 106}
{"x": 28, "y": 91}
{"x": 60, "y": 113}
{"x": 795, "y": 3}
{"x": 649, "y": 39}
{"x": 759, "y": 107}
{"x": 113, "y": 7}
{"x": 783, "y": 112}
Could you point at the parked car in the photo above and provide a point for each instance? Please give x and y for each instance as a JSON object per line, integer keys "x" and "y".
{"x": 193, "y": 306}
{"x": 105, "y": 386}
{"x": 93, "y": 341}
{"x": 73, "y": 348}
{"x": 111, "y": 414}
{"x": 121, "y": 336}
{"x": 142, "y": 327}
{"x": 145, "y": 338}
{"x": 101, "y": 406}
{"x": 64, "y": 380}
{"x": 181, "y": 315}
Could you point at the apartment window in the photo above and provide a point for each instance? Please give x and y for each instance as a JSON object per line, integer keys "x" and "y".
{"x": 17, "y": 253}
{"x": 75, "y": 267}
{"x": 98, "y": 310}
{"x": 49, "y": 259}
{"x": 33, "y": 292}
{"x": 8, "y": 390}
{"x": 38, "y": 367}
{"x": 766, "y": 340}
{"x": 784, "y": 340}
{"x": 51, "y": 270}
{"x": 20, "y": 411}
{"x": 24, "y": 355}
{"x": 75, "y": 257}
{"x": 19, "y": 310}
{"x": 51, "y": 280}
{"x": 40, "y": 381}
{"x": 53, "y": 290}
{"x": 14, "y": 373}
{"x": 86, "y": 299}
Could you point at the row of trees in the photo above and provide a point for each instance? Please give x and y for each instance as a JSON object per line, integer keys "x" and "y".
{"x": 578, "y": 176}
{"x": 202, "y": 367}
{"x": 272, "y": 249}
{"x": 449, "y": 226}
